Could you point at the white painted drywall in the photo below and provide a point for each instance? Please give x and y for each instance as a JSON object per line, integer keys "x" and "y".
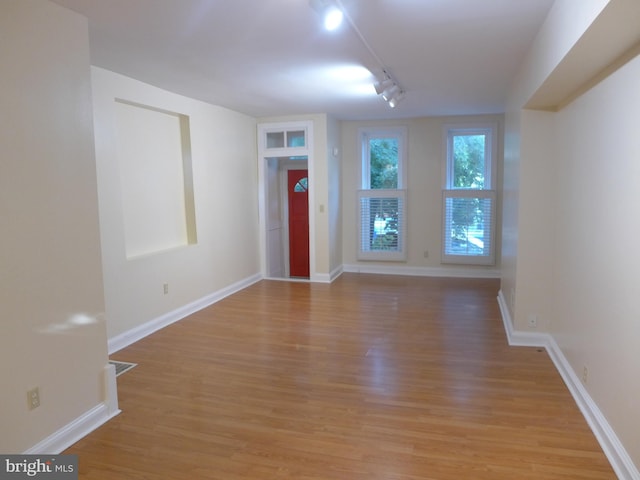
{"x": 334, "y": 191}
{"x": 223, "y": 150}
{"x": 596, "y": 312}
{"x": 53, "y": 334}
{"x": 566, "y": 23}
{"x": 151, "y": 167}
{"x": 571, "y": 183}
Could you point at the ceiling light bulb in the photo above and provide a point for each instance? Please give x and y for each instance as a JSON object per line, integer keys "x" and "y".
{"x": 332, "y": 18}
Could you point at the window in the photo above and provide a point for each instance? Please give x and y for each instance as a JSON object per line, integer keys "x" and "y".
{"x": 282, "y": 138}
{"x": 469, "y": 198}
{"x": 382, "y": 200}
{"x": 302, "y": 185}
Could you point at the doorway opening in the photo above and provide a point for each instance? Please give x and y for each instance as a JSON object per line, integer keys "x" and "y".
{"x": 288, "y": 223}
{"x": 285, "y": 176}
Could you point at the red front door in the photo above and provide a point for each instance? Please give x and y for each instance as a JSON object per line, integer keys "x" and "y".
{"x": 298, "y": 223}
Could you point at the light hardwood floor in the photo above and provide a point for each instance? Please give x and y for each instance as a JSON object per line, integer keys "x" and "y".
{"x": 371, "y": 377}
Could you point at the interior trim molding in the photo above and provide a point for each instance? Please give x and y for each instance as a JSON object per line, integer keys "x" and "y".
{"x": 327, "y": 278}
{"x": 335, "y": 273}
{"x": 517, "y": 338}
{"x": 422, "y": 271}
{"x": 141, "y": 331}
{"x": 74, "y": 431}
{"x": 319, "y": 278}
{"x": 111, "y": 390}
{"x": 606, "y": 436}
{"x": 84, "y": 424}
{"x": 609, "y": 442}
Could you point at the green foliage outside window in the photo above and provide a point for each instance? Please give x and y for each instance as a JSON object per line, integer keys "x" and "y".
{"x": 468, "y": 161}
{"x": 469, "y": 169}
{"x": 383, "y": 163}
{"x": 384, "y": 175}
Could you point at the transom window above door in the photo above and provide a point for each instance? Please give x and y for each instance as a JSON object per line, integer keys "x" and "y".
{"x": 286, "y": 139}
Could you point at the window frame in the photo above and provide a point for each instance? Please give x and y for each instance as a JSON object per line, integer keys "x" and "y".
{"x": 287, "y": 130}
{"x": 490, "y": 130}
{"x": 488, "y": 191}
{"x": 364, "y": 135}
{"x": 363, "y": 231}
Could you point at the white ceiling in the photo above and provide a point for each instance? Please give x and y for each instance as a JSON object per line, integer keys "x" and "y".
{"x": 271, "y": 57}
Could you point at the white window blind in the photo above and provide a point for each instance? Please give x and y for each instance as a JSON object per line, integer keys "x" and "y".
{"x": 469, "y": 218}
{"x": 382, "y": 225}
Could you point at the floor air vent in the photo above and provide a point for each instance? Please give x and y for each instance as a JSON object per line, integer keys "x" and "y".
{"x": 122, "y": 367}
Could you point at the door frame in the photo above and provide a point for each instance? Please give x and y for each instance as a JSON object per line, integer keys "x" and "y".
{"x": 264, "y": 154}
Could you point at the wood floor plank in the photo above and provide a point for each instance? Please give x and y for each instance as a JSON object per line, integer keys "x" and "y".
{"x": 370, "y": 377}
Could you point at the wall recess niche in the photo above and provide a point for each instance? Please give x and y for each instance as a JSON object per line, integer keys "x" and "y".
{"x": 156, "y": 178}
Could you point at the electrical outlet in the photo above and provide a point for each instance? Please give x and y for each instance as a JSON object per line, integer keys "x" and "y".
{"x": 533, "y": 320}
{"x": 165, "y": 288}
{"x": 33, "y": 398}
{"x": 585, "y": 374}
{"x": 426, "y": 254}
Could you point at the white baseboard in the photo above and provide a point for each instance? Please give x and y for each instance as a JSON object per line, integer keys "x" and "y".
{"x": 138, "y": 333}
{"x": 327, "y": 278}
{"x": 422, "y": 271}
{"x": 315, "y": 277}
{"x": 604, "y": 433}
{"x": 517, "y": 338}
{"x": 335, "y": 273}
{"x": 72, "y": 432}
{"x": 320, "y": 278}
{"x": 84, "y": 424}
{"x": 612, "y": 447}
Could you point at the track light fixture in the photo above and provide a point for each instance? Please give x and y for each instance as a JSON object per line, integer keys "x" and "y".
{"x": 332, "y": 13}
{"x": 390, "y": 92}
{"x": 395, "y": 100}
{"x": 389, "y": 89}
{"x": 382, "y": 85}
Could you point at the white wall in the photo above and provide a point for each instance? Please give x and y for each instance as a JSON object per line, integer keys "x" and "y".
{"x": 565, "y": 25}
{"x": 537, "y": 206}
{"x": 571, "y": 190}
{"x": 424, "y": 202}
{"x": 321, "y": 243}
{"x": 595, "y": 301}
{"x": 51, "y": 304}
{"x": 223, "y": 151}
{"x": 510, "y": 206}
{"x": 154, "y": 160}
{"x": 334, "y": 191}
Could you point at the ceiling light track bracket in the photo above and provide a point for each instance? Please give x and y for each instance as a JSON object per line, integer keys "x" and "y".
{"x": 386, "y": 85}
